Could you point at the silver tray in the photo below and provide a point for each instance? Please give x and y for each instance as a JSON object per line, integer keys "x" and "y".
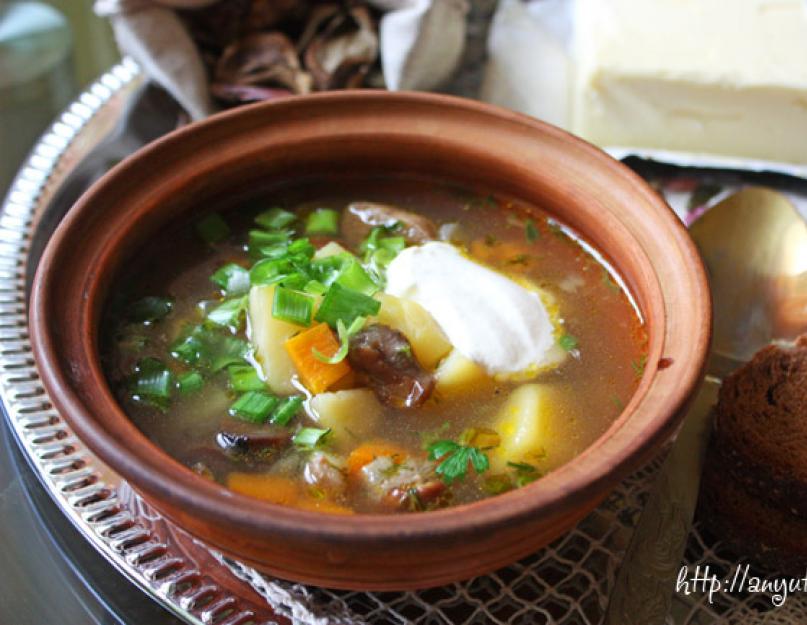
{"x": 567, "y": 582}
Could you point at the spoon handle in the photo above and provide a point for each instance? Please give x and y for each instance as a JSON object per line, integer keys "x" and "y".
{"x": 644, "y": 586}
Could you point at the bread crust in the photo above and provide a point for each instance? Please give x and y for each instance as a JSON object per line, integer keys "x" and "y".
{"x": 754, "y": 487}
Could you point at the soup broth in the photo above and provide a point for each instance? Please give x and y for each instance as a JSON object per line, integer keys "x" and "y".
{"x": 264, "y": 347}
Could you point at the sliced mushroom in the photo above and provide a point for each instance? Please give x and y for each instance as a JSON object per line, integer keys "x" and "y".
{"x": 343, "y": 49}
{"x": 359, "y": 218}
{"x": 255, "y": 440}
{"x": 383, "y": 359}
{"x": 266, "y": 59}
{"x": 418, "y": 496}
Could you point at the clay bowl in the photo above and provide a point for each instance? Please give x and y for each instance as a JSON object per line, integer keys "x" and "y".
{"x": 373, "y": 132}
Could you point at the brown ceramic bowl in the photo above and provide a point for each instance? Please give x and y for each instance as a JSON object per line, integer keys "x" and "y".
{"x": 373, "y": 132}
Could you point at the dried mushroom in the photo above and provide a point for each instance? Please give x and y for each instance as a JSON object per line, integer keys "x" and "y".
{"x": 341, "y": 53}
{"x": 265, "y": 59}
{"x": 264, "y": 49}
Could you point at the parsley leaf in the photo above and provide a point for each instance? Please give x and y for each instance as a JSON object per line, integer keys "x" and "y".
{"x": 455, "y": 459}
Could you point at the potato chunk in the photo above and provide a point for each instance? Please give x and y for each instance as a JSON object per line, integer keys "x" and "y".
{"x": 268, "y": 336}
{"x": 352, "y": 415}
{"x": 332, "y": 248}
{"x": 527, "y": 425}
{"x": 458, "y": 374}
{"x": 427, "y": 339}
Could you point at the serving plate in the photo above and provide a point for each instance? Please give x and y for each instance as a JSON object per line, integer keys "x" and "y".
{"x": 567, "y": 582}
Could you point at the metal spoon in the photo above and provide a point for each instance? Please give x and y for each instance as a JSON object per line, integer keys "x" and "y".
{"x": 754, "y": 245}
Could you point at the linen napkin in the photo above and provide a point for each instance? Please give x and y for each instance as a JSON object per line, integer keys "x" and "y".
{"x": 420, "y": 44}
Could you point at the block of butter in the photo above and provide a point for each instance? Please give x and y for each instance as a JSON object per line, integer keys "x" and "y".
{"x": 713, "y": 76}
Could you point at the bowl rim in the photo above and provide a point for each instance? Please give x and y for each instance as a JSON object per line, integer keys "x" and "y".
{"x": 560, "y": 490}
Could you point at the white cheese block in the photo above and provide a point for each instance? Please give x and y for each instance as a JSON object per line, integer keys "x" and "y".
{"x": 714, "y": 76}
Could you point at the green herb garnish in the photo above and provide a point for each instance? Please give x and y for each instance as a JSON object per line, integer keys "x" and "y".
{"x": 285, "y": 412}
{"x": 212, "y": 228}
{"x": 190, "y": 382}
{"x": 454, "y": 459}
{"x": 292, "y": 306}
{"x": 150, "y": 309}
{"x": 345, "y": 333}
{"x": 568, "y": 342}
{"x": 245, "y": 378}
{"x": 254, "y": 406}
{"x": 525, "y": 473}
{"x": 229, "y": 314}
{"x": 639, "y": 366}
{"x": 151, "y": 383}
{"x": 353, "y": 276}
{"x": 310, "y": 438}
{"x": 322, "y": 221}
{"x": 232, "y": 279}
{"x": 345, "y": 304}
{"x": 209, "y": 347}
{"x": 531, "y": 231}
{"x": 275, "y": 219}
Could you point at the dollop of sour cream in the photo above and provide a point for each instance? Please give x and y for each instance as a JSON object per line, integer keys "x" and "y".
{"x": 489, "y": 318}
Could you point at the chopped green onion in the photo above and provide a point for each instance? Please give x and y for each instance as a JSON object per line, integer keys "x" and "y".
{"x": 302, "y": 247}
{"x": 260, "y": 241}
{"x": 568, "y": 342}
{"x": 531, "y": 231}
{"x": 269, "y": 271}
{"x": 322, "y": 221}
{"x": 354, "y": 277}
{"x": 345, "y": 333}
{"x": 275, "y": 219}
{"x": 150, "y": 309}
{"x": 245, "y": 378}
{"x": 345, "y": 304}
{"x": 310, "y": 438}
{"x": 295, "y": 281}
{"x": 525, "y": 473}
{"x": 292, "y": 306}
{"x": 212, "y": 228}
{"x": 223, "y": 351}
{"x": 152, "y": 382}
{"x": 254, "y": 406}
{"x": 315, "y": 287}
{"x": 187, "y": 348}
{"x": 229, "y": 313}
{"x": 233, "y": 279}
{"x": 285, "y": 412}
{"x": 190, "y": 382}
{"x": 209, "y": 347}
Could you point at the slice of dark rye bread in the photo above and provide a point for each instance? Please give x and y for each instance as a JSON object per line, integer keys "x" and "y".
{"x": 769, "y": 536}
{"x": 760, "y": 434}
{"x": 754, "y": 488}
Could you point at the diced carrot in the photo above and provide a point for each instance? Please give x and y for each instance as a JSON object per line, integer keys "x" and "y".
{"x": 367, "y": 452}
{"x": 317, "y": 376}
{"x": 272, "y": 488}
{"x": 346, "y": 383}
